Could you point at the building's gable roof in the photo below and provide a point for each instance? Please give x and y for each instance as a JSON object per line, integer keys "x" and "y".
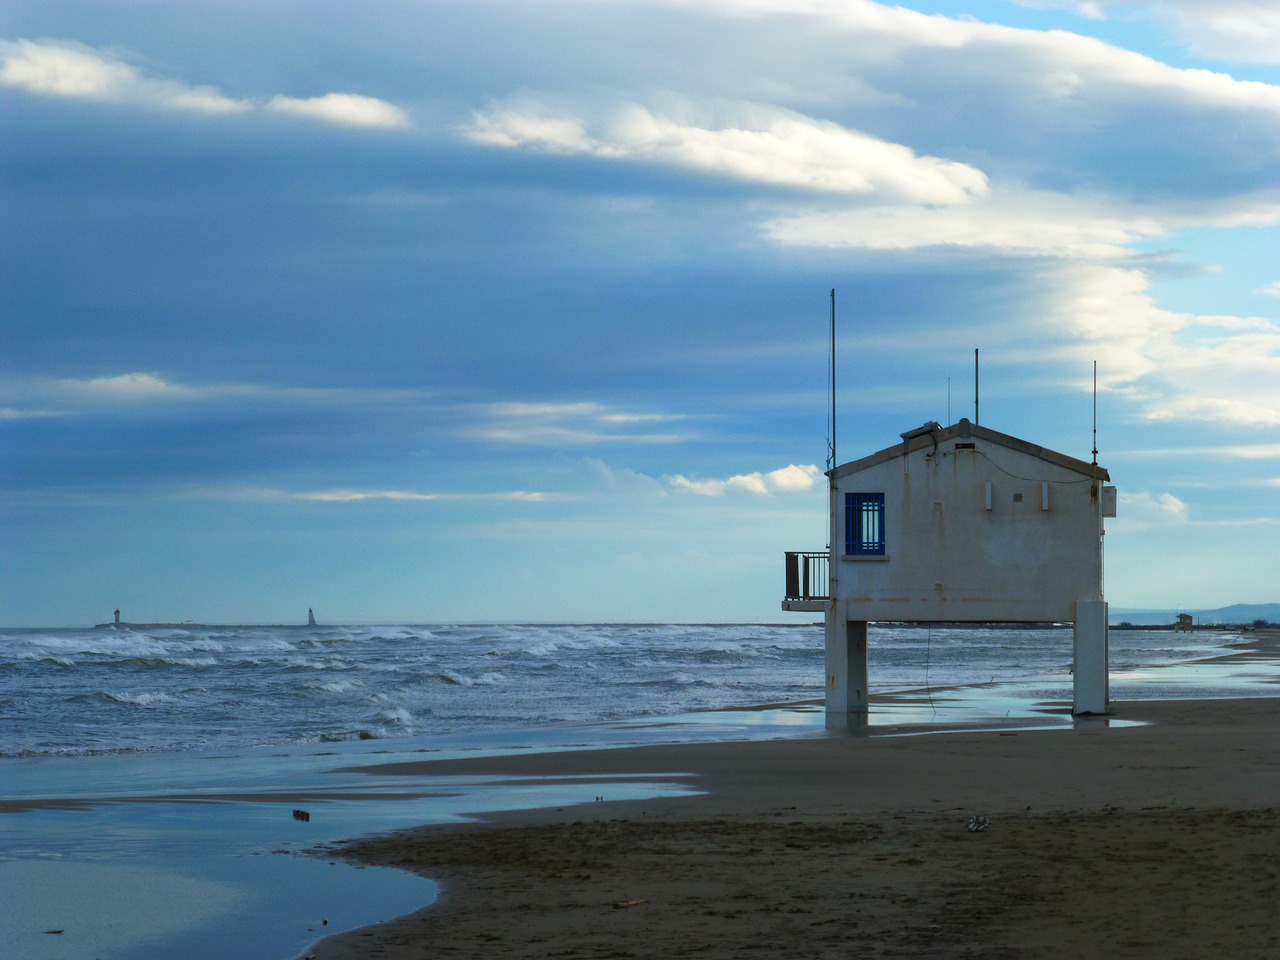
{"x": 931, "y": 435}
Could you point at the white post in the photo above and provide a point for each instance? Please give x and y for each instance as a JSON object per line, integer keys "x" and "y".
{"x": 1092, "y": 681}
{"x": 846, "y": 643}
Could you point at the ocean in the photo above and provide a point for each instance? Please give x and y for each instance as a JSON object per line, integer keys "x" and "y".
{"x": 87, "y": 691}
{"x": 148, "y": 775}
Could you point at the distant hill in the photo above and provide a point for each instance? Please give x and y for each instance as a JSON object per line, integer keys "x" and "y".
{"x": 1236, "y": 613}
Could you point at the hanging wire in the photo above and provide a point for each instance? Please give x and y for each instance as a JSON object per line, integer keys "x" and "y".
{"x": 1061, "y": 483}
{"x": 928, "y": 655}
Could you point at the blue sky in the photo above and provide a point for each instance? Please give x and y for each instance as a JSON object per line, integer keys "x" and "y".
{"x": 514, "y": 310}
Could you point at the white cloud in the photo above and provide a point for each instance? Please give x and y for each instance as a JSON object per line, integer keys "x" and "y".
{"x": 255, "y": 493}
{"x": 1014, "y": 222}
{"x": 1082, "y": 113}
{"x": 137, "y": 387}
{"x": 24, "y": 397}
{"x": 1165, "y": 365}
{"x": 1151, "y": 508}
{"x": 1270, "y": 290}
{"x": 1109, "y": 311}
{"x": 65, "y": 69}
{"x": 1243, "y": 30}
{"x": 411, "y": 496}
{"x": 630, "y": 482}
{"x": 1247, "y": 31}
{"x": 344, "y": 108}
{"x": 1240, "y": 451}
{"x": 1085, "y": 8}
{"x": 1215, "y": 409}
{"x": 1233, "y": 483}
{"x": 50, "y": 396}
{"x": 748, "y": 142}
{"x": 529, "y": 423}
{"x": 1066, "y": 62}
{"x": 573, "y": 424}
{"x": 60, "y": 68}
{"x": 788, "y": 479}
{"x": 1241, "y": 522}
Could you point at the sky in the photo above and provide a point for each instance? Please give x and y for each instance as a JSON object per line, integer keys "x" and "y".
{"x": 446, "y": 310}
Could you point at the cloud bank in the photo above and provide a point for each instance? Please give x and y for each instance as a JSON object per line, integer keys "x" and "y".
{"x": 789, "y": 479}
{"x": 59, "y": 68}
{"x": 1244, "y": 31}
{"x": 762, "y": 145}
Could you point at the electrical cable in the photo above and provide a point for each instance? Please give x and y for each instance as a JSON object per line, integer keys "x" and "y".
{"x": 928, "y": 654}
{"x": 1065, "y": 483}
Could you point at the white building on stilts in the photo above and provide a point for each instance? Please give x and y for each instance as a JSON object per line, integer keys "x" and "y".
{"x": 958, "y": 524}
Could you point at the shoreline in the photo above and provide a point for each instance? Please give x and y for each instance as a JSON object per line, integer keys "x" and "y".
{"x": 767, "y": 772}
{"x": 1157, "y": 839}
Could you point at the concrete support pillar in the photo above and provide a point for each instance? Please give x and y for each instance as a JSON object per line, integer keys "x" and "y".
{"x": 1092, "y": 693}
{"x": 846, "y": 668}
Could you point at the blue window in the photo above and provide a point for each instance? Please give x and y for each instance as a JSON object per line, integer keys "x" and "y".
{"x": 864, "y": 524}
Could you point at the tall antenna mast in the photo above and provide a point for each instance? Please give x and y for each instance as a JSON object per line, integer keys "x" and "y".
{"x": 833, "y": 378}
{"x": 1095, "y": 413}
{"x": 976, "y": 419}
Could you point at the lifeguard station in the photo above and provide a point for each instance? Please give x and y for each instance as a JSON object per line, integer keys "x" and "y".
{"x": 958, "y": 524}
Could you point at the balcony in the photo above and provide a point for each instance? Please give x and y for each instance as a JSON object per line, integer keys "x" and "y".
{"x": 808, "y": 581}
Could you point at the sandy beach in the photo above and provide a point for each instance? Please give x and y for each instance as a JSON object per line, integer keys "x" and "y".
{"x": 1155, "y": 838}
{"x": 731, "y": 833}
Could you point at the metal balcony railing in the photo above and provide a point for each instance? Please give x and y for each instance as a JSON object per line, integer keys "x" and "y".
{"x": 808, "y": 576}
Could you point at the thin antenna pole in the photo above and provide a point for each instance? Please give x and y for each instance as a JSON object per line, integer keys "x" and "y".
{"x": 948, "y": 401}
{"x": 976, "y": 418}
{"x": 1095, "y": 413}
{"x": 833, "y": 378}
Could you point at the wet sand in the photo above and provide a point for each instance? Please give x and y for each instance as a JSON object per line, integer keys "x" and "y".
{"x": 1158, "y": 840}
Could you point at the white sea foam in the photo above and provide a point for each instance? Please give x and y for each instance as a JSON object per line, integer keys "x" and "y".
{"x": 312, "y": 663}
{"x": 337, "y": 686}
{"x": 195, "y": 662}
{"x": 462, "y": 680}
{"x": 542, "y": 649}
{"x": 144, "y": 699}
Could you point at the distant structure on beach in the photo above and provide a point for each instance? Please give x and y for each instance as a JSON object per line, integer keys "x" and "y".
{"x": 958, "y": 524}
{"x": 1186, "y": 623}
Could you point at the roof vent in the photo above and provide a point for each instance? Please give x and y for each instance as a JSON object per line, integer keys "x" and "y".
{"x": 926, "y": 429}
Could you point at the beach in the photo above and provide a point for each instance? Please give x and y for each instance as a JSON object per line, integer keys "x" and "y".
{"x": 719, "y": 830}
{"x": 1158, "y": 837}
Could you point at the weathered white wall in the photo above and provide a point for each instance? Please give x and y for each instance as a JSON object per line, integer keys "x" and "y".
{"x": 1090, "y": 674}
{"x": 948, "y": 557}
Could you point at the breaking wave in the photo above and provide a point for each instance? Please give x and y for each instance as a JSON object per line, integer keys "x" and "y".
{"x": 134, "y": 699}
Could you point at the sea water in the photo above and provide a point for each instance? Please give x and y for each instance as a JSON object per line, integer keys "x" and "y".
{"x": 85, "y": 691}
{"x": 213, "y": 735}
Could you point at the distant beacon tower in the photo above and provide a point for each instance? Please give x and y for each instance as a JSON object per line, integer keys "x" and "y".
{"x": 958, "y": 524}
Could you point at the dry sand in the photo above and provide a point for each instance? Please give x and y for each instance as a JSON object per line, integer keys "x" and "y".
{"x": 1140, "y": 841}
